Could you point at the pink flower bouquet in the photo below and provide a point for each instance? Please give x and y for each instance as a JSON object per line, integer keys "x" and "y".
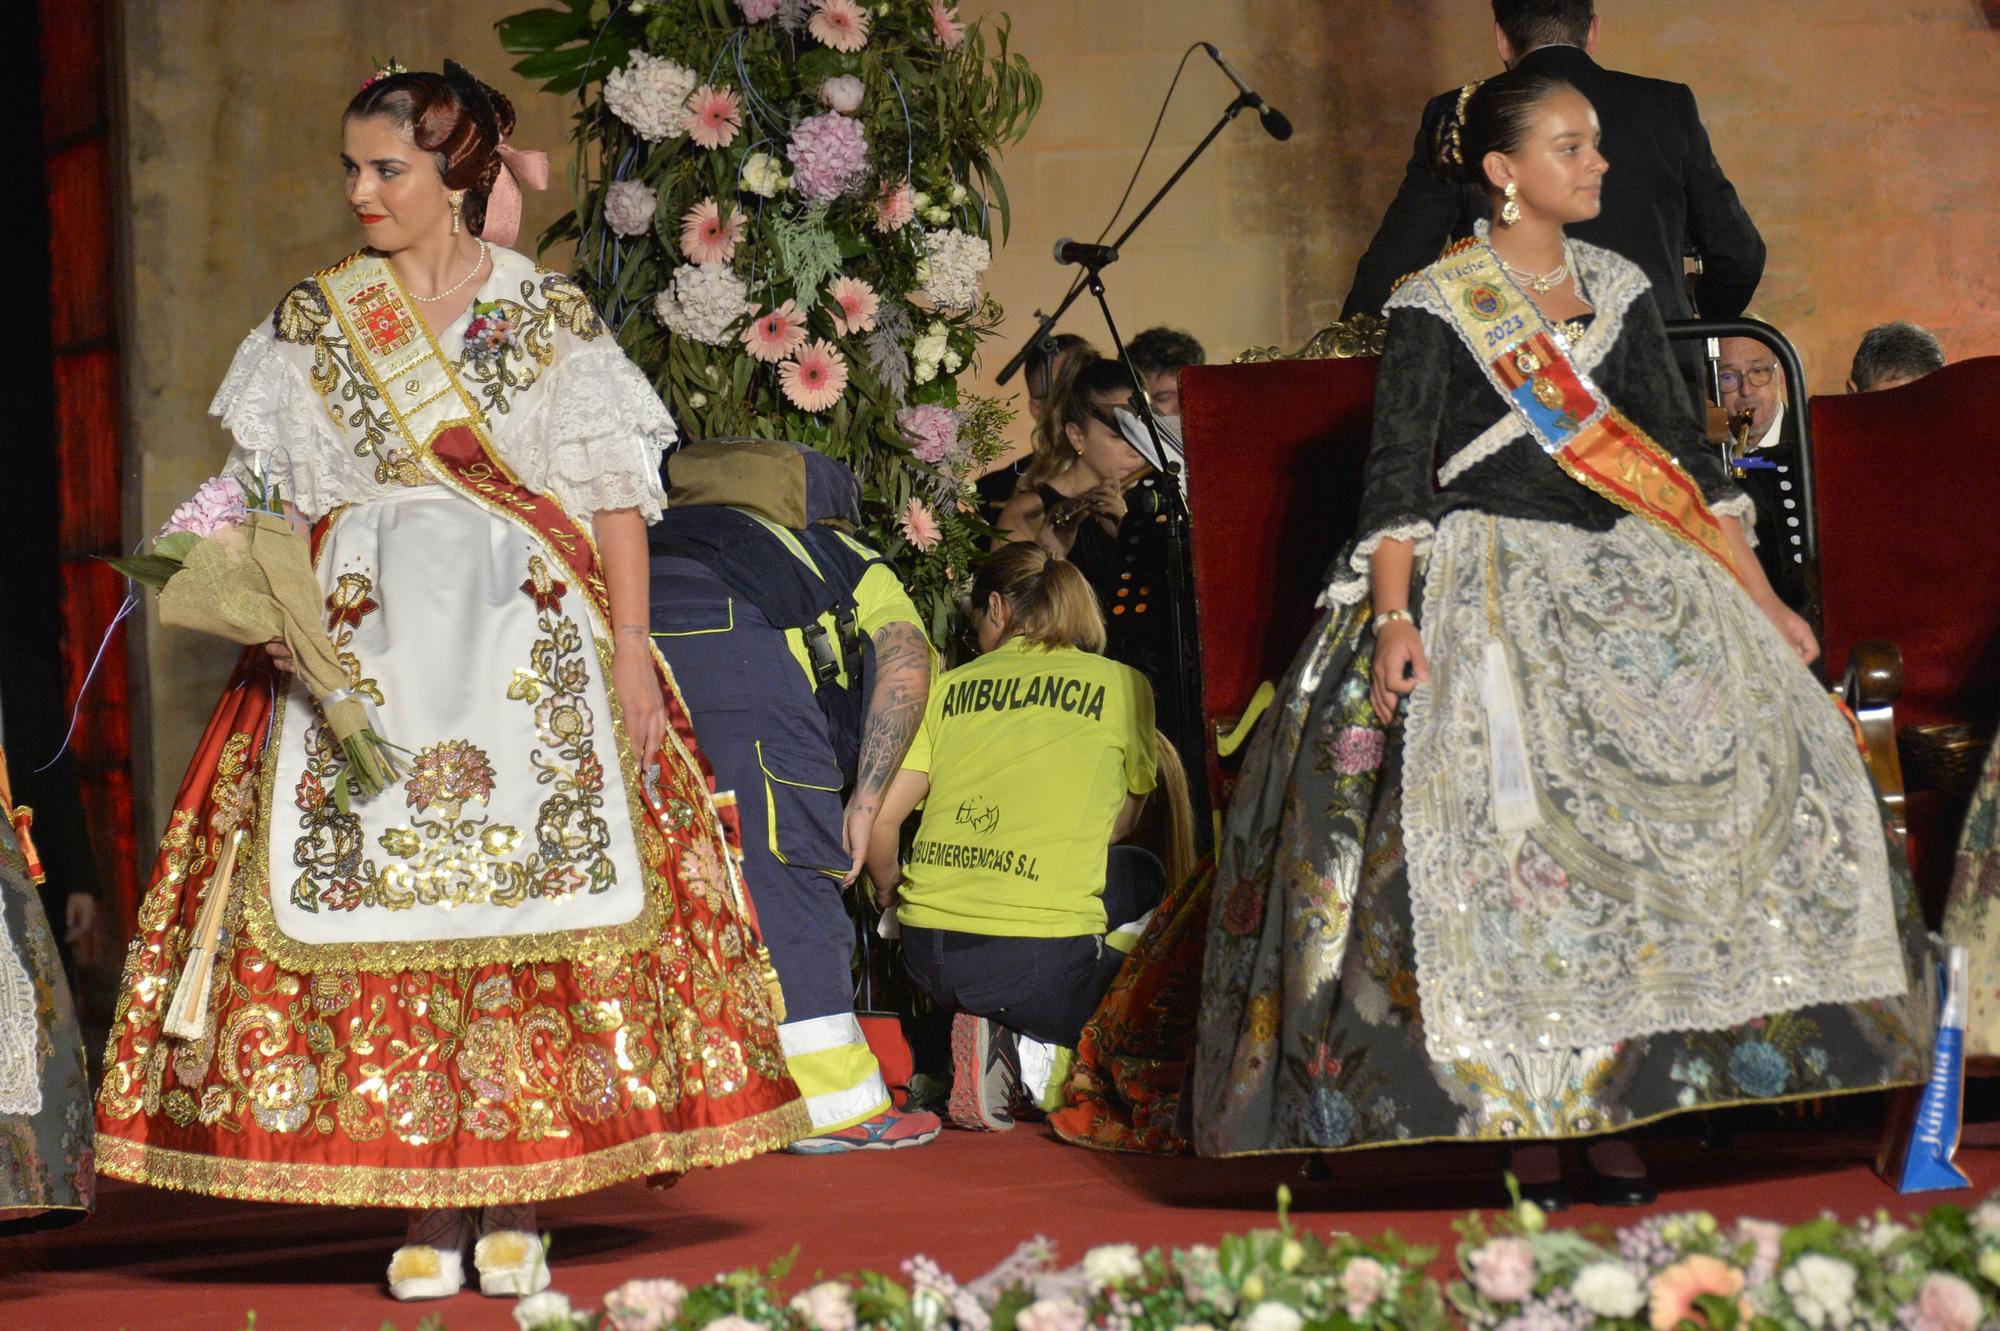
{"x": 231, "y": 564}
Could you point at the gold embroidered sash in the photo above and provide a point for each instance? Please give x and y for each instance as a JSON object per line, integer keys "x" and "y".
{"x": 1567, "y": 416}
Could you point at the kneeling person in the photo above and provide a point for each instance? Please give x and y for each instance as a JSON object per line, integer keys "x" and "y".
{"x": 1031, "y": 761}
{"x": 775, "y": 621}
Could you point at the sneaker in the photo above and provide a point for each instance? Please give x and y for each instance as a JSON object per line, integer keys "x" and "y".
{"x": 891, "y": 1130}
{"x": 984, "y": 1077}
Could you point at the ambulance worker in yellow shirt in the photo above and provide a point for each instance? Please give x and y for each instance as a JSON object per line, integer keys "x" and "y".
{"x": 1031, "y": 762}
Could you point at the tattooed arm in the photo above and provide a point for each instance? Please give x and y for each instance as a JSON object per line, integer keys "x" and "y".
{"x": 895, "y": 710}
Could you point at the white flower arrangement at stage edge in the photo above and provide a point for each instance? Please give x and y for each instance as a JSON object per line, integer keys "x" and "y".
{"x": 629, "y": 207}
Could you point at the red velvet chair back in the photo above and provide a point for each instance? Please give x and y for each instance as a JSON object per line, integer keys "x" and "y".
{"x": 1909, "y": 493}
{"x": 1274, "y": 459}
{"x": 1908, "y": 490}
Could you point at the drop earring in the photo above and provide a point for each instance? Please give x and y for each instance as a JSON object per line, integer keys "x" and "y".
{"x": 1510, "y": 211}
{"x": 458, "y": 205}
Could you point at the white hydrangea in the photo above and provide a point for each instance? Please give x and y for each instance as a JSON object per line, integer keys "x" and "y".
{"x": 952, "y": 265}
{"x": 1608, "y": 1290}
{"x": 1112, "y": 1264}
{"x": 629, "y": 207}
{"x": 650, "y": 94}
{"x": 1821, "y": 1289}
{"x": 928, "y": 352}
{"x": 703, "y": 302}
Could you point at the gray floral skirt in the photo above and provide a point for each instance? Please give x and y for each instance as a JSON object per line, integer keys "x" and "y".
{"x": 47, "y": 1174}
{"x": 1311, "y": 1033}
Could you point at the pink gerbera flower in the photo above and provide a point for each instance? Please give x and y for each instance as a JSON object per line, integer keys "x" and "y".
{"x": 841, "y": 24}
{"x": 944, "y": 22}
{"x": 707, "y": 236}
{"x": 920, "y": 526}
{"x": 814, "y": 379}
{"x": 713, "y": 116}
{"x": 774, "y": 336}
{"x": 894, "y": 207}
{"x": 855, "y": 304}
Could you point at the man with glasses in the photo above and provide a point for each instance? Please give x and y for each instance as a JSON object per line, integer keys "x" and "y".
{"x": 1752, "y": 385}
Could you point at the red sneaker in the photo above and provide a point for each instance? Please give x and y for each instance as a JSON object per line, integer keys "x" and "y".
{"x": 985, "y": 1078}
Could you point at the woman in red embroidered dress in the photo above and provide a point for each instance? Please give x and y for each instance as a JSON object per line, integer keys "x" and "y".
{"x": 524, "y": 970}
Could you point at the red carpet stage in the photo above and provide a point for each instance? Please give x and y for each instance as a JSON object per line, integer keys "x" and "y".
{"x": 156, "y": 1261}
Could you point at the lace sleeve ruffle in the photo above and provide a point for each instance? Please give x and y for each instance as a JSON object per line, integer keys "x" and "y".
{"x": 599, "y": 435}
{"x": 1744, "y": 509}
{"x": 279, "y": 422}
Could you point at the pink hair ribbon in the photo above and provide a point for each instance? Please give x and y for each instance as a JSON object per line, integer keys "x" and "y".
{"x": 503, "y": 204}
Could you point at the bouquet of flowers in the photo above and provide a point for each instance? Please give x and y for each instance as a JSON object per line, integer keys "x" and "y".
{"x": 785, "y": 210}
{"x": 230, "y": 563}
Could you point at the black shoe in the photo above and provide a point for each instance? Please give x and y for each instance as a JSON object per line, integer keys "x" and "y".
{"x": 1544, "y": 1186}
{"x": 1624, "y": 1188}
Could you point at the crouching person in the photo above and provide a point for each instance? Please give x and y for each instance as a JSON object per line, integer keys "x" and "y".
{"x": 1032, "y": 762}
{"x": 805, "y": 669}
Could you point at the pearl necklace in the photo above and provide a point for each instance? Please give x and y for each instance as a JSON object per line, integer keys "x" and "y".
{"x": 1541, "y": 282}
{"x": 477, "y": 264}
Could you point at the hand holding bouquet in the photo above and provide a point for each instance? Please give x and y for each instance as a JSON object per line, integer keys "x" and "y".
{"x": 231, "y": 564}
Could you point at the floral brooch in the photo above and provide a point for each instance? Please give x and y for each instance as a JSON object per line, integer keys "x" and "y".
{"x": 490, "y": 334}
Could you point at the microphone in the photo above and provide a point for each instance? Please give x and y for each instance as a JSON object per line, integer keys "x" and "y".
{"x": 1083, "y": 253}
{"x": 1274, "y": 120}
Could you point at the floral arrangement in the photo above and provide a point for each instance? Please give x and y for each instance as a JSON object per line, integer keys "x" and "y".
{"x": 1674, "y": 1272}
{"x": 1688, "y": 1270}
{"x": 1279, "y": 1279}
{"x": 785, "y": 209}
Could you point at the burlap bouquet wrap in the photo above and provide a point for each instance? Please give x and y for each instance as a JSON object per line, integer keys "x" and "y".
{"x": 254, "y": 582}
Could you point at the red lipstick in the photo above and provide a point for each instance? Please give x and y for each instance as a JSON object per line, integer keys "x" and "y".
{"x": 370, "y": 219}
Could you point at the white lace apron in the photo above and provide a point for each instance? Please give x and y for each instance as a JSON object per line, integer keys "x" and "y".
{"x": 1708, "y": 849}
{"x": 20, "y": 1028}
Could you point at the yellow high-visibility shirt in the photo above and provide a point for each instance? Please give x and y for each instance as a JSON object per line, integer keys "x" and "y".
{"x": 1030, "y": 754}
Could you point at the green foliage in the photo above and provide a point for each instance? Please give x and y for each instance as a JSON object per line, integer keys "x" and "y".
{"x": 936, "y": 119}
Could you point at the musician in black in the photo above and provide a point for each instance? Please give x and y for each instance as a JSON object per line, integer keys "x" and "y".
{"x": 1665, "y": 195}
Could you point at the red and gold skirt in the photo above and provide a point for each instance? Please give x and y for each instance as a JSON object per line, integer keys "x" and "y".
{"x": 441, "y": 1084}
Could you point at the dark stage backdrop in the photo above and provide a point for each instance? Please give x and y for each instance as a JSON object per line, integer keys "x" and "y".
{"x": 63, "y": 479}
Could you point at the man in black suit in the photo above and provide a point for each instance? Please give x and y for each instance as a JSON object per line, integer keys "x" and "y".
{"x": 1664, "y": 192}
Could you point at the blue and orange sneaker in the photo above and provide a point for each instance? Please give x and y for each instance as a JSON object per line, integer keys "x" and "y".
{"x": 891, "y": 1130}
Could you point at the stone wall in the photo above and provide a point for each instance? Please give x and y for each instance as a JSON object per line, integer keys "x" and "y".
{"x": 1857, "y": 131}
{"x": 232, "y": 147}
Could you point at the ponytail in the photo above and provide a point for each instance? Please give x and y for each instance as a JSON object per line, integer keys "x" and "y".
{"x": 1050, "y": 604}
{"x": 1171, "y": 834}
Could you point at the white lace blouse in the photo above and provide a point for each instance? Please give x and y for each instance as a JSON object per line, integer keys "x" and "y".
{"x": 567, "y": 410}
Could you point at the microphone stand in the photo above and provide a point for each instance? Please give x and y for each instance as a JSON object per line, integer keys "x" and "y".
{"x": 1048, "y": 322}
{"x": 1180, "y": 708}
{"x": 1180, "y": 684}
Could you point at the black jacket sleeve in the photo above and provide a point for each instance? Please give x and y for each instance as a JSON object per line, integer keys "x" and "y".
{"x": 1722, "y": 233}
{"x": 1414, "y": 231}
{"x": 1397, "y": 497}
{"x": 1642, "y": 379}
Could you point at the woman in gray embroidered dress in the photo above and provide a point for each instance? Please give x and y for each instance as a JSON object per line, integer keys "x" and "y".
{"x": 47, "y": 1177}
{"x": 1676, "y": 895}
